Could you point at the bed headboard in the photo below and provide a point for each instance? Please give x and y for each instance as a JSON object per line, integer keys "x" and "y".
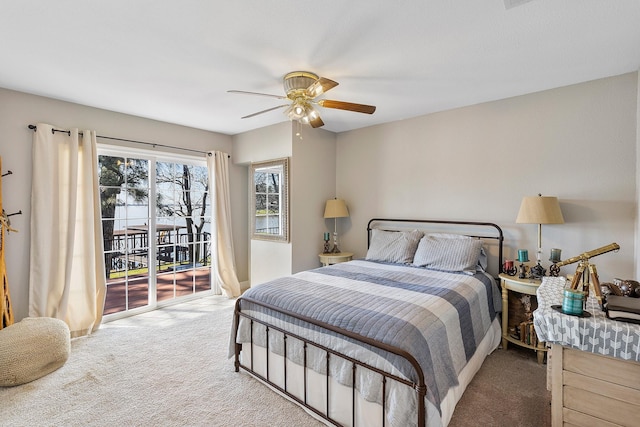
{"x": 490, "y": 233}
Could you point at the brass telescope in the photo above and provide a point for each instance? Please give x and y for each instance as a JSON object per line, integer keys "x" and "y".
{"x": 583, "y": 260}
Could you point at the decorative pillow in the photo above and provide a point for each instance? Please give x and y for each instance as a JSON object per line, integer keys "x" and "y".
{"x": 483, "y": 260}
{"x": 32, "y": 348}
{"x": 447, "y": 253}
{"x": 393, "y": 246}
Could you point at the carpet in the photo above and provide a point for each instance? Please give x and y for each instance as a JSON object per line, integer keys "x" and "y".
{"x": 169, "y": 368}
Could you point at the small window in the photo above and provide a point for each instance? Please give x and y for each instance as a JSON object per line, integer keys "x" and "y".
{"x": 269, "y": 210}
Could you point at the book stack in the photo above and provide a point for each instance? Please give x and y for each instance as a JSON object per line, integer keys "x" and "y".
{"x": 526, "y": 333}
{"x": 626, "y": 309}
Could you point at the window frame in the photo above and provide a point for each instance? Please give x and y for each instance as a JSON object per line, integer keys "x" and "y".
{"x": 283, "y": 235}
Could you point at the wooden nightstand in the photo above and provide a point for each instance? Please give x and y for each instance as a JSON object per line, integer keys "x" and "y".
{"x": 524, "y": 286}
{"x": 328, "y": 259}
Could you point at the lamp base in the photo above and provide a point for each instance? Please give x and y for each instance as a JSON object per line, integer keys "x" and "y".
{"x": 335, "y": 249}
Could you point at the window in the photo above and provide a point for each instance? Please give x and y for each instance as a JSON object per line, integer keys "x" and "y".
{"x": 156, "y": 222}
{"x": 269, "y": 210}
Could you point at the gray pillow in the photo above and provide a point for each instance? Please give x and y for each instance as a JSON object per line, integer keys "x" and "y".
{"x": 455, "y": 254}
{"x": 393, "y": 246}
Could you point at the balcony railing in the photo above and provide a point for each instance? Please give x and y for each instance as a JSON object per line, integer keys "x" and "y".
{"x": 182, "y": 266}
{"x": 129, "y": 249}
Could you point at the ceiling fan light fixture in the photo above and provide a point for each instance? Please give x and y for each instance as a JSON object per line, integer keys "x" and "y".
{"x": 302, "y": 89}
{"x": 312, "y": 113}
{"x": 299, "y": 110}
{"x": 296, "y": 111}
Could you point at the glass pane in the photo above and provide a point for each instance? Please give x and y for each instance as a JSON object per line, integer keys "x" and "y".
{"x": 274, "y": 204}
{"x": 261, "y": 204}
{"x": 111, "y": 171}
{"x": 137, "y": 174}
{"x": 138, "y": 202}
{"x": 138, "y": 290}
{"x": 260, "y": 180}
{"x": 274, "y": 182}
{"x": 184, "y": 282}
{"x": 202, "y": 278}
{"x": 166, "y": 285}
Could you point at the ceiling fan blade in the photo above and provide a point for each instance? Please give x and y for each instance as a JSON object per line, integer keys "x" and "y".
{"x": 265, "y": 111}
{"x": 316, "y": 123}
{"x": 319, "y": 87}
{"x": 341, "y": 105}
{"x": 244, "y": 92}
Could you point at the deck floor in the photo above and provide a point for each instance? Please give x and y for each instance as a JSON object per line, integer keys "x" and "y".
{"x": 186, "y": 282}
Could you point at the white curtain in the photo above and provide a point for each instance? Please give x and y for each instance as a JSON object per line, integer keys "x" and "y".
{"x": 224, "y": 266}
{"x": 67, "y": 275}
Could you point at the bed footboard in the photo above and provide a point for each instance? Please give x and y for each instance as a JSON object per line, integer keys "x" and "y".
{"x": 419, "y": 387}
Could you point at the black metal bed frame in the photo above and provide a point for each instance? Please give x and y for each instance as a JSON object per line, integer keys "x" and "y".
{"x": 419, "y": 386}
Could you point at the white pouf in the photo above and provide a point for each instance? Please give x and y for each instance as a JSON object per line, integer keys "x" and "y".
{"x": 32, "y": 348}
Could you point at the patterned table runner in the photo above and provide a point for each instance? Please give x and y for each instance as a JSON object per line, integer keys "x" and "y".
{"x": 596, "y": 334}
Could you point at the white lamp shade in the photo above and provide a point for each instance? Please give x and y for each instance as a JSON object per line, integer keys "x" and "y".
{"x": 336, "y": 208}
{"x": 540, "y": 210}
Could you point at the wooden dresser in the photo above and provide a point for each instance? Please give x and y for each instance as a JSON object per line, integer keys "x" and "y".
{"x": 592, "y": 390}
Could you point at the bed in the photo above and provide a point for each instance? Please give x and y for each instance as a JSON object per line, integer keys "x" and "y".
{"x": 389, "y": 340}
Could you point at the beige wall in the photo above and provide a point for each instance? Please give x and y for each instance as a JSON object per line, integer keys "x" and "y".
{"x": 312, "y": 182}
{"x": 577, "y": 142}
{"x": 18, "y": 110}
{"x": 476, "y": 163}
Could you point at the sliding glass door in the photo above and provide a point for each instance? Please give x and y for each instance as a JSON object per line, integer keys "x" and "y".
{"x": 156, "y": 218}
{"x": 183, "y": 225}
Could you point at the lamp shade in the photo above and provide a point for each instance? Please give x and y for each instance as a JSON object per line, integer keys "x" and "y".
{"x": 540, "y": 210}
{"x": 336, "y": 208}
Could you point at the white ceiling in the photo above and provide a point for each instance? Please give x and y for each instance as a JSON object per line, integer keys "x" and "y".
{"x": 175, "y": 60}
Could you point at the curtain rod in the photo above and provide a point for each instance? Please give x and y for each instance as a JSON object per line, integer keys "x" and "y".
{"x": 153, "y": 144}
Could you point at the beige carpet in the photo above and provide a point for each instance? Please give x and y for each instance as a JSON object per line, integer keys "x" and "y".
{"x": 169, "y": 368}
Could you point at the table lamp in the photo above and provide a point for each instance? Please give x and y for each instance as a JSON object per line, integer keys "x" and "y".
{"x": 335, "y": 208}
{"x": 539, "y": 210}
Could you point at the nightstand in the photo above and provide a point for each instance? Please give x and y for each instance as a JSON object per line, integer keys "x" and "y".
{"x": 328, "y": 259}
{"x": 523, "y": 286}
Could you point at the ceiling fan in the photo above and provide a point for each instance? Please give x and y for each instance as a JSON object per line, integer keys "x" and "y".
{"x": 302, "y": 89}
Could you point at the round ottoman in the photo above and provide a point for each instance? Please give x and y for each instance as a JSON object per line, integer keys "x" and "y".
{"x": 32, "y": 348}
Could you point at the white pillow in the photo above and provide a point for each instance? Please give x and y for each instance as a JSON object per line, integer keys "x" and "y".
{"x": 393, "y": 246}
{"x": 453, "y": 253}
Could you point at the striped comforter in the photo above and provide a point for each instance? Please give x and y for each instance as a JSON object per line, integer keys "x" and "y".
{"x": 438, "y": 317}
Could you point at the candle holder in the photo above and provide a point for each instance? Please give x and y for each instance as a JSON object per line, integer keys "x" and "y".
{"x": 523, "y": 256}
{"x": 555, "y": 258}
{"x": 327, "y": 247}
{"x": 509, "y": 268}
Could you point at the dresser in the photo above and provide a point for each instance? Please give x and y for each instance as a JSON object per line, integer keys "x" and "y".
{"x": 593, "y": 364}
